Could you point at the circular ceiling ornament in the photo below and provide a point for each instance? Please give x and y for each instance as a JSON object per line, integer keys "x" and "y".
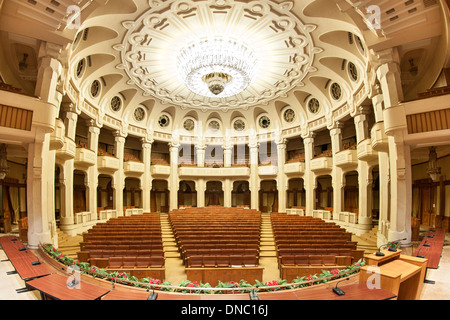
{"x": 289, "y": 116}
{"x": 164, "y": 121}
{"x": 275, "y": 52}
{"x": 314, "y": 105}
{"x": 116, "y": 104}
{"x": 139, "y": 114}
{"x": 189, "y": 125}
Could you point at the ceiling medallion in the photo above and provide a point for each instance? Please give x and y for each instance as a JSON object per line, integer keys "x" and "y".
{"x": 219, "y": 55}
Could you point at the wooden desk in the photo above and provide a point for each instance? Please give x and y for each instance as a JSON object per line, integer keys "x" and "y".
{"x": 435, "y": 238}
{"x": 358, "y": 291}
{"x": 26, "y": 270}
{"x": 54, "y": 287}
{"x": 400, "y": 274}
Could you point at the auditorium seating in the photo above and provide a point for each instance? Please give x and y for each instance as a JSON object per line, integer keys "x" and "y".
{"x": 215, "y": 237}
{"x": 303, "y": 241}
{"x": 124, "y": 243}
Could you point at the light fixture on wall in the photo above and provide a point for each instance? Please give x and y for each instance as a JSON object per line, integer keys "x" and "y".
{"x": 217, "y": 67}
{"x": 3, "y": 162}
{"x": 433, "y": 170}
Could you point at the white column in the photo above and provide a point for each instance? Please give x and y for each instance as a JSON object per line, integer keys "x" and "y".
{"x": 66, "y": 215}
{"x": 281, "y": 178}
{"x": 119, "y": 176}
{"x": 309, "y": 177}
{"x": 39, "y": 186}
{"x": 173, "y": 178}
{"x": 92, "y": 172}
{"x": 254, "y": 178}
{"x": 147, "y": 175}
{"x": 364, "y": 176}
{"x": 200, "y": 151}
{"x": 227, "y": 188}
{"x": 337, "y": 173}
{"x": 389, "y": 75}
{"x": 41, "y": 161}
{"x": 200, "y": 186}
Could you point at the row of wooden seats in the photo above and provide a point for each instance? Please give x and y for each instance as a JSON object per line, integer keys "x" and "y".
{"x": 219, "y": 235}
{"x": 88, "y": 255}
{"x": 215, "y": 237}
{"x": 306, "y": 228}
{"x": 129, "y": 237}
{"x": 221, "y": 261}
{"x": 220, "y": 245}
{"x": 204, "y": 242}
{"x": 154, "y": 246}
{"x": 309, "y": 242}
{"x": 218, "y": 252}
{"x": 293, "y": 246}
{"x": 150, "y": 234}
{"x": 308, "y": 260}
{"x": 319, "y": 251}
{"x": 138, "y": 262}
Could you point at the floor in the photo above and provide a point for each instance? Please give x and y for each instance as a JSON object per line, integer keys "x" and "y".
{"x": 440, "y": 290}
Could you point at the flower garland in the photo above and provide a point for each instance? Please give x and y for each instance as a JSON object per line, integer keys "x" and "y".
{"x": 188, "y": 286}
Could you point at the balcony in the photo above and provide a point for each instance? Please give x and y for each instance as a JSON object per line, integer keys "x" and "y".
{"x": 347, "y": 159}
{"x": 57, "y": 138}
{"x": 268, "y": 170}
{"x": 107, "y": 164}
{"x": 294, "y": 168}
{"x": 67, "y": 151}
{"x": 366, "y": 152}
{"x": 84, "y": 158}
{"x": 322, "y": 165}
{"x": 133, "y": 168}
{"x": 160, "y": 170}
{"x": 379, "y": 138}
{"x": 214, "y": 172}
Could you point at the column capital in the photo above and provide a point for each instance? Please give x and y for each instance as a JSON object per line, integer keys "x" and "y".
{"x": 69, "y": 107}
{"x": 119, "y": 136}
{"x": 308, "y": 136}
{"x": 336, "y": 127}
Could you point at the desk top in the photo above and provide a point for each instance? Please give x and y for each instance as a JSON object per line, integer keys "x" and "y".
{"x": 358, "y": 291}
{"x": 55, "y": 285}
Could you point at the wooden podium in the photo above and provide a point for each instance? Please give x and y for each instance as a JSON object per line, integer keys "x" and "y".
{"x": 400, "y": 274}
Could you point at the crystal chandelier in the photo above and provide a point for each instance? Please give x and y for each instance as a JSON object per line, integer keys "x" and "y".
{"x": 217, "y": 67}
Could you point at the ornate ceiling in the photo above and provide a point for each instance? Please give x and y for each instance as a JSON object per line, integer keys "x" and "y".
{"x": 316, "y": 58}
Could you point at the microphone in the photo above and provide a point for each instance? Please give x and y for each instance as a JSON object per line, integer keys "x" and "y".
{"x": 339, "y": 291}
{"x": 36, "y": 263}
{"x": 152, "y": 296}
{"x": 396, "y": 241}
{"x": 379, "y": 253}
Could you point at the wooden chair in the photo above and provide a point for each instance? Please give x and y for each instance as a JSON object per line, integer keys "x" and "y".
{"x": 223, "y": 261}
{"x": 115, "y": 262}
{"x": 209, "y": 261}
{"x": 129, "y": 262}
{"x": 142, "y": 262}
{"x": 315, "y": 260}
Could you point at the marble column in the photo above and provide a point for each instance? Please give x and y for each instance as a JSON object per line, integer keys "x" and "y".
{"x": 254, "y": 177}
{"x": 92, "y": 171}
{"x": 173, "y": 178}
{"x": 389, "y": 76}
{"x": 337, "y": 174}
{"x": 364, "y": 176}
{"x": 146, "y": 179}
{"x": 281, "y": 178}
{"x": 309, "y": 177}
{"x": 119, "y": 176}
{"x": 41, "y": 160}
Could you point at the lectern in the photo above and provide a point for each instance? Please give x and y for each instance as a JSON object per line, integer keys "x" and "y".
{"x": 400, "y": 274}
